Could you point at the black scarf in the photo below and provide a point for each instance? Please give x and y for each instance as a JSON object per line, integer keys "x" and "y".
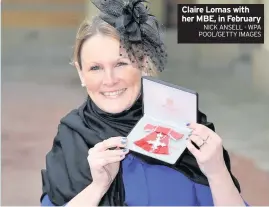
{"x": 67, "y": 170}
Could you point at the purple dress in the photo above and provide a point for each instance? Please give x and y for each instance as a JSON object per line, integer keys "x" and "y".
{"x": 156, "y": 185}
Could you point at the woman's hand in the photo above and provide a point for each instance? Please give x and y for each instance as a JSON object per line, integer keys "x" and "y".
{"x": 210, "y": 155}
{"x": 210, "y": 160}
{"x": 104, "y": 163}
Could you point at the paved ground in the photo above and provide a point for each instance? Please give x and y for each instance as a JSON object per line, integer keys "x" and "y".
{"x": 39, "y": 87}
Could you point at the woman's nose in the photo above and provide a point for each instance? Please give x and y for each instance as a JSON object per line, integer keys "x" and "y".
{"x": 109, "y": 78}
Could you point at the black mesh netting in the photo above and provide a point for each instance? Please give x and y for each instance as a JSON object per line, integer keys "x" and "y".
{"x": 140, "y": 32}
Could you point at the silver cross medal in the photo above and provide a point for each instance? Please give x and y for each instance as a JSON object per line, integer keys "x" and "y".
{"x": 157, "y": 142}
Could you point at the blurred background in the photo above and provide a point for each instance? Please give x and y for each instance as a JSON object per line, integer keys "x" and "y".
{"x": 39, "y": 87}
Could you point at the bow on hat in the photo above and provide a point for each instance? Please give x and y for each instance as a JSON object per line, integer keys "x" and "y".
{"x": 130, "y": 18}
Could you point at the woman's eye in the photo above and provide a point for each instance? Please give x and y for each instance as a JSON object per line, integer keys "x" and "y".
{"x": 121, "y": 64}
{"x": 95, "y": 68}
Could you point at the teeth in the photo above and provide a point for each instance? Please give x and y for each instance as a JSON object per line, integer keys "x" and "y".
{"x": 114, "y": 93}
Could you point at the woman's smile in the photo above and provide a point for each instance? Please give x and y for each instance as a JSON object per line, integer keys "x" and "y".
{"x": 113, "y": 94}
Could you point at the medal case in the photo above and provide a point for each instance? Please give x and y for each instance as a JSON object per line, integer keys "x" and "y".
{"x": 162, "y": 132}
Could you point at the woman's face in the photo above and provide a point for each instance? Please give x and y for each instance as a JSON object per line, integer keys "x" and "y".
{"x": 111, "y": 80}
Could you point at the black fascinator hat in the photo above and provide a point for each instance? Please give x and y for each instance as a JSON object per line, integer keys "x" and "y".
{"x": 140, "y": 31}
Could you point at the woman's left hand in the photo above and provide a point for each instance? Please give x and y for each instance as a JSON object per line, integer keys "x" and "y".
{"x": 210, "y": 155}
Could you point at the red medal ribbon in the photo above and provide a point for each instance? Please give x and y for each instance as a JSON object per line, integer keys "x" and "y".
{"x": 157, "y": 141}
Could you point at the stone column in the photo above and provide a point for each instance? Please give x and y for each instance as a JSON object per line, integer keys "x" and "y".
{"x": 261, "y": 57}
{"x": 266, "y": 25}
{"x": 212, "y": 56}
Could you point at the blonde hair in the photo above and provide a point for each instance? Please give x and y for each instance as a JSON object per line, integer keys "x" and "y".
{"x": 89, "y": 28}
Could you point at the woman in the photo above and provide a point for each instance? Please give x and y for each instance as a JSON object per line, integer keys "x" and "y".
{"x": 89, "y": 164}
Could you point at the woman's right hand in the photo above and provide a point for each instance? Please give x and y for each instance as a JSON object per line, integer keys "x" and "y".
{"x": 104, "y": 163}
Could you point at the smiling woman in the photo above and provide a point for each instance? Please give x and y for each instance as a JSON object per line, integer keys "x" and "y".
{"x": 110, "y": 78}
{"x": 89, "y": 163}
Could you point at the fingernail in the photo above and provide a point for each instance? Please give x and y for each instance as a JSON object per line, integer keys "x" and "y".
{"x": 123, "y": 139}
